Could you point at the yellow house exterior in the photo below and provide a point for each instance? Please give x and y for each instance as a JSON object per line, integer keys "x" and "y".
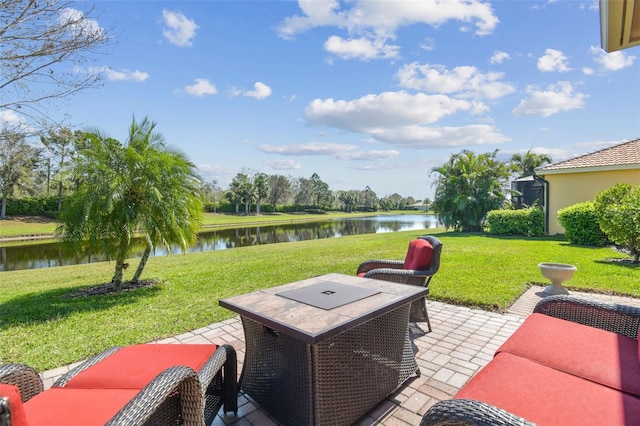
{"x": 579, "y": 179}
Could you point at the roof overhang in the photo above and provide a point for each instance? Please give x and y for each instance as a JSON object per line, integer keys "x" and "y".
{"x": 565, "y": 171}
{"x": 619, "y": 24}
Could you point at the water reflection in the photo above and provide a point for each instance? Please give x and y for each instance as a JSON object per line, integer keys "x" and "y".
{"x": 54, "y": 254}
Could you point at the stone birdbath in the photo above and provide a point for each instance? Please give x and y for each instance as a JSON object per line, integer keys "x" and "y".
{"x": 557, "y": 273}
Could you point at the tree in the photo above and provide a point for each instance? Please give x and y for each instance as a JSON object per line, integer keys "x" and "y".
{"x": 467, "y": 187}
{"x": 142, "y": 187}
{"x": 322, "y": 196}
{"x": 43, "y": 45}
{"x": 525, "y": 165}
{"x": 211, "y": 192}
{"x": 17, "y": 161}
{"x": 242, "y": 191}
{"x": 279, "y": 189}
{"x": 348, "y": 200}
{"x": 618, "y": 213}
{"x": 60, "y": 143}
{"x": 261, "y": 186}
{"x": 368, "y": 199}
{"x": 304, "y": 192}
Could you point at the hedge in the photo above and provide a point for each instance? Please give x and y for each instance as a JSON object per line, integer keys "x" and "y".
{"x": 528, "y": 222}
{"x": 580, "y": 225}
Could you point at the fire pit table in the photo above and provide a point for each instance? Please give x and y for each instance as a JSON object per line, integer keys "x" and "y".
{"x": 325, "y": 350}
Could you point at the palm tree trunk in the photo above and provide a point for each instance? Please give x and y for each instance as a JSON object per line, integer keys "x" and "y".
{"x": 117, "y": 276}
{"x": 143, "y": 261}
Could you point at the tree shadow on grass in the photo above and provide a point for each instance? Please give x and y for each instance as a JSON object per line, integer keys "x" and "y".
{"x": 50, "y": 305}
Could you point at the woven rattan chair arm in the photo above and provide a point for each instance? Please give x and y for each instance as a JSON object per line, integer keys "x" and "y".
{"x": 621, "y": 319}
{"x": 467, "y": 412}
{"x": 368, "y": 265}
{"x": 62, "y": 380}
{"x": 224, "y": 359}
{"x": 402, "y": 276}
{"x": 24, "y": 377}
{"x": 182, "y": 378}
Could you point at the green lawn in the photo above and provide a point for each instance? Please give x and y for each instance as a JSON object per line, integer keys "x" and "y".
{"x": 43, "y": 328}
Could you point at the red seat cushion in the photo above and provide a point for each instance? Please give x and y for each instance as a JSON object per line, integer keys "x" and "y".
{"x": 71, "y": 407}
{"x": 547, "y": 396}
{"x": 588, "y": 352}
{"x": 18, "y": 417}
{"x": 418, "y": 255}
{"x": 133, "y": 367}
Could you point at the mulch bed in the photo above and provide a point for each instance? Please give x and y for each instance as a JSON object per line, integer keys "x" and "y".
{"x": 108, "y": 288}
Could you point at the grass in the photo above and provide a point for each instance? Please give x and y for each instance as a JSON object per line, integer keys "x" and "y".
{"x": 43, "y": 328}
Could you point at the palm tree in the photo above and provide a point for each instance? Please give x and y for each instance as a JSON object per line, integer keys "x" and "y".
{"x": 525, "y": 165}
{"x": 143, "y": 187}
{"x": 468, "y": 186}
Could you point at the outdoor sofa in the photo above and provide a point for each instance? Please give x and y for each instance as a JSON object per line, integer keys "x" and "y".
{"x": 572, "y": 362}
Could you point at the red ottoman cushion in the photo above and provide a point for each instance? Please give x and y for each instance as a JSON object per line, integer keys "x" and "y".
{"x": 588, "y": 352}
{"x": 549, "y": 397}
{"x": 418, "y": 255}
{"x": 18, "y": 417}
{"x": 133, "y": 367}
{"x": 81, "y": 407}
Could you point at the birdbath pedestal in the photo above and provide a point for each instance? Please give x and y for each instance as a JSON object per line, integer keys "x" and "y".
{"x": 557, "y": 273}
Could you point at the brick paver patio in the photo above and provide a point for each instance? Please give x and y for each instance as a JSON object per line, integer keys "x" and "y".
{"x": 463, "y": 341}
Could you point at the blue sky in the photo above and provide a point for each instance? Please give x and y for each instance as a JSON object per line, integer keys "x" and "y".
{"x": 362, "y": 92}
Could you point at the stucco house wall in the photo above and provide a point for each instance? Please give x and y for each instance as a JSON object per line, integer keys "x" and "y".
{"x": 572, "y": 187}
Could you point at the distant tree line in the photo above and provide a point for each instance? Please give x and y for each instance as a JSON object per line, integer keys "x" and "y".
{"x": 42, "y": 169}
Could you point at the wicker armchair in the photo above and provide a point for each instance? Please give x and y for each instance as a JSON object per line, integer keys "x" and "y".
{"x": 393, "y": 270}
{"x": 145, "y": 408}
{"x": 188, "y": 384}
{"x": 620, "y": 319}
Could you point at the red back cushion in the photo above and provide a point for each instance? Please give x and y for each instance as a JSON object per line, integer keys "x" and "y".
{"x": 418, "y": 255}
{"x": 133, "y": 367}
{"x": 18, "y": 417}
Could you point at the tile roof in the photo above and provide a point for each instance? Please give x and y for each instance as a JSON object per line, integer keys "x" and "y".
{"x": 623, "y": 154}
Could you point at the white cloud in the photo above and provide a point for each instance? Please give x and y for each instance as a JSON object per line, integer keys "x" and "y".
{"x": 553, "y": 60}
{"x": 360, "y": 48}
{"x": 613, "y": 61}
{"x": 179, "y": 30}
{"x": 587, "y": 71}
{"x": 370, "y": 23}
{"x": 388, "y": 109}
{"x": 466, "y": 81}
{"x": 123, "y": 75}
{"x": 312, "y": 148}
{"x": 201, "y": 87}
{"x": 370, "y": 155}
{"x": 76, "y": 20}
{"x": 428, "y": 44}
{"x": 421, "y": 137}
{"x": 284, "y": 164}
{"x": 260, "y": 91}
{"x": 10, "y": 120}
{"x": 498, "y": 57}
{"x": 556, "y": 98}
{"x": 399, "y": 118}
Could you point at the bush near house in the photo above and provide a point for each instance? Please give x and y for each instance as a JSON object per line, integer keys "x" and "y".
{"x": 618, "y": 213}
{"x": 581, "y": 225}
{"x": 528, "y": 222}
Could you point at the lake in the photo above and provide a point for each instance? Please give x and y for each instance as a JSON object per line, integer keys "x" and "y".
{"x": 48, "y": 255}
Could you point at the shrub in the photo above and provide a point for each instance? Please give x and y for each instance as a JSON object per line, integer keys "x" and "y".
{"x": 618, "y": 213}
{"x": 581, "y": 225}
{"x": 529, "y": 222}
{"x": 31, "y": 206}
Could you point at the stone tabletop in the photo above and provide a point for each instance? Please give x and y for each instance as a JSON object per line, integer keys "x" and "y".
{"x": 313, "y": 324}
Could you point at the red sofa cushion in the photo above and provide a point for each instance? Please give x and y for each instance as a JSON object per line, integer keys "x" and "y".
{"x": 418, "y": 255}
{"x": 547, "y": 396}
{"x": 18, "y": 417}
{"x": 71, "y": 407}
{"x": 588, "y": 352}
{"x": 133, "y": 367}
